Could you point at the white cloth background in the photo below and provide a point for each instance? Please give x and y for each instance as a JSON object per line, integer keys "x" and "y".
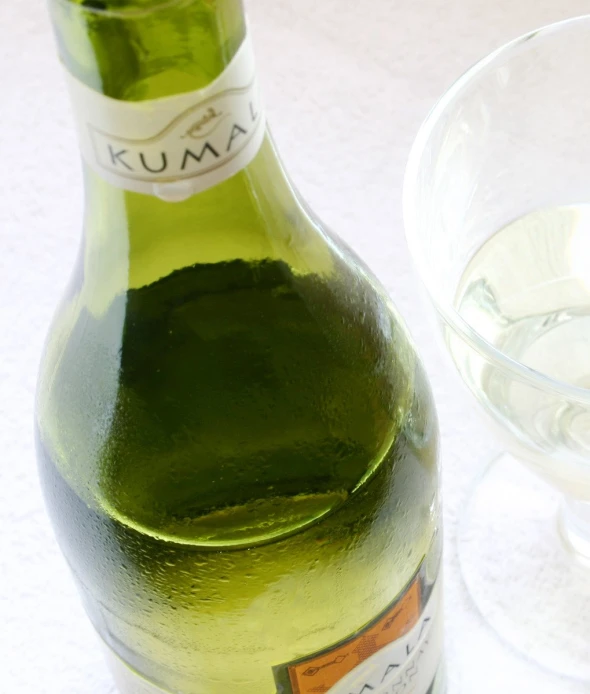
{"x": 347, "y": 84}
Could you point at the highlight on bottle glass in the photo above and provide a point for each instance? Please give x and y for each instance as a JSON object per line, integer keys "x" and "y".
{"x": 497, "y": 215}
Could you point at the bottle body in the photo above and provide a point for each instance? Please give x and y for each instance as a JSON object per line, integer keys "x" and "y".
{"x": 314, "y": 515}
{"x": 237, "y": 445}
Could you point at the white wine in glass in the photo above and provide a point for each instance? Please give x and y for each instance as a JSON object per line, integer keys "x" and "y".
{"x": 527, "y": 292}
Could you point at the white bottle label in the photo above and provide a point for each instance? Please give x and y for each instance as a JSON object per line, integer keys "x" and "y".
{"x": 175, "y": 146}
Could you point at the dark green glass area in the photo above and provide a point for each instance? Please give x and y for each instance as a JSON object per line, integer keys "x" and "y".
{"x": 251, "y": 401}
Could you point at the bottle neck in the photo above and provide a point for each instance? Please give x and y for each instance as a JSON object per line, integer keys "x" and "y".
{"x": 140, "y": 50}
{"x": 143, "y": 221}
{"x": 135, "y": 239}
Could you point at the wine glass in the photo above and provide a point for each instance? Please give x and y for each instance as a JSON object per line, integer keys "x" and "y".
{"x": 497, "y": 215}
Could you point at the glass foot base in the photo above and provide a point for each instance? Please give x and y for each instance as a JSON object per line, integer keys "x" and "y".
{"x": 519, "y": 573}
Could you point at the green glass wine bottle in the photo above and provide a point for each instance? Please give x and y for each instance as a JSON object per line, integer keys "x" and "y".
{"x": 237, "y": 444}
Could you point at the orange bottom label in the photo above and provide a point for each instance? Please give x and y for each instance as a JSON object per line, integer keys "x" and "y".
{"x": 320, "y": 672}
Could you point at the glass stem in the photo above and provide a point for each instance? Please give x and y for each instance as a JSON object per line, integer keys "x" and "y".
{"x": 574, "y": 527}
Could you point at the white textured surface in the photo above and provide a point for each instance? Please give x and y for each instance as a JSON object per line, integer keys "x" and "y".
{"x": 346, "y": 84}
